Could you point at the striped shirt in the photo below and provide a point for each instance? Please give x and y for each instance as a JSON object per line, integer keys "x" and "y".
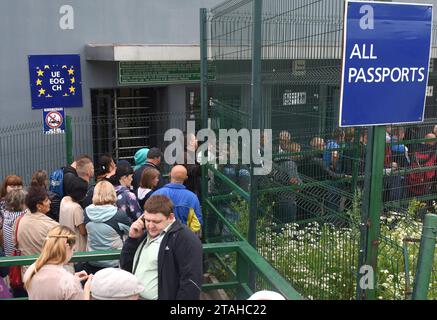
{"x": 9, "y": 219}
{"x": 2, "y": 208}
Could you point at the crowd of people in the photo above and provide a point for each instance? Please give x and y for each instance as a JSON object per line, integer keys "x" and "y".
{"x": 300, "y": 161}
{"x": 155, "y": 223}
{"x": 409, "y": 159}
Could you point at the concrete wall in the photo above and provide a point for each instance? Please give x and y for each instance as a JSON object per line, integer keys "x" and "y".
{"x": 30, "y": 27}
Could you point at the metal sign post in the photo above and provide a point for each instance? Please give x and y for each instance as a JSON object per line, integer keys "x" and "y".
{"x": 386, "y": 54}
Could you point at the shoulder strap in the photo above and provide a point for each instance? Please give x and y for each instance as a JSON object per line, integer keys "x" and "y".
{"x": 134, "y": 268}
{"x": 16, "y": 230}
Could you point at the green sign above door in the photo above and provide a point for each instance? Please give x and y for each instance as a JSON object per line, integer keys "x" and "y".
{"x": 161, "y": 72}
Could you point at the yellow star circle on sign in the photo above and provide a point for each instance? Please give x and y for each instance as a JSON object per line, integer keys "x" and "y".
{"x": 40, "y": 73}
{"x": 39, "y": 82}
{"x": 72, "y": 89}
{"x": 72, "y": 80}
{"x": 46, "y": 66}
{"x": 70, "y": 71}
{"x": 42, "y": 91}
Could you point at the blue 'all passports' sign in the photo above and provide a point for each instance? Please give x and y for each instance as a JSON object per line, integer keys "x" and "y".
{"x": 386, "y": 54}
{"x": 55, "y": 81}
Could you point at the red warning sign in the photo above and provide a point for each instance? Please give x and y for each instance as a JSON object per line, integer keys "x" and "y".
{"x": 53, "y": 119}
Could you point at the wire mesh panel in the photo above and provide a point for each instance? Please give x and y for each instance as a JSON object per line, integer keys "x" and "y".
{"x": 25, "y": 149}
{"x": 309, "y": 206}
{"x": 410, "y": 166}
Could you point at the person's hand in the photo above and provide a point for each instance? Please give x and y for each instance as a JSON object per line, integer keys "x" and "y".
{"x": 87, "y": 288}
{"x": 81, "y": 275}
{"x": 294, "y": 180}
{"x": 137, "y": 228}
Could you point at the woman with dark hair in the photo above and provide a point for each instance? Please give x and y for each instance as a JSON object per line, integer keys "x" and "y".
{"x": 126, "y": 200}
{"x": 106, "y": 168}
{"x": 34, "y": 226}
{"x": 72, "y": 216}
{"x": 10, "y": 183}
{"x": 40, "y": 179}
{"x": 149, "y": 181}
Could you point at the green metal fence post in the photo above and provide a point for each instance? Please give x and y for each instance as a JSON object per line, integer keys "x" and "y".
{"x": 69, "y": 139}
{"x": 255, "y": 111}
{"x": 203, "y": 99}
{"x": 362, "y": 254}
{"x": 356, "y": 160}
{"x": 372, "y": 206}
{"x": 426, "y": 257}
{"x": 242, "y": 276}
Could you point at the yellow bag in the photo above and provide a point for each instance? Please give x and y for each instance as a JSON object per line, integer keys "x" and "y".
{"x": 192, "y": 221}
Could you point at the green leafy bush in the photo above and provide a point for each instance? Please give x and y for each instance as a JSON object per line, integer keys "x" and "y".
{"x": 321, "y": 259}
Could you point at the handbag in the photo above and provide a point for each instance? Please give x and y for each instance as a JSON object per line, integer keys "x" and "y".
{"x": 4, "y": 290}
{"x": 15, "y": 278}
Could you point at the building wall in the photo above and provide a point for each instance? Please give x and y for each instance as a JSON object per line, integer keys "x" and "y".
{"x": 31, "y": 27}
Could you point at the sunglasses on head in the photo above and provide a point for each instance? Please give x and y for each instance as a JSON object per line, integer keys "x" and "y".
{"x": 71, "y": 240}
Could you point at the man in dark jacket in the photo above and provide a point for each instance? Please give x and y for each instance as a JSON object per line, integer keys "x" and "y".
{"x": 167, "y": 258}
{"x": 154, "y": 157}
{"x": 71, "y": 180}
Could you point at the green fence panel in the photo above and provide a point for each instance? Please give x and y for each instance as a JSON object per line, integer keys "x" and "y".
{"x": 309, "y": 228}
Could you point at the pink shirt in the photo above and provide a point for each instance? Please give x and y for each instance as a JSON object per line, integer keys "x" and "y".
{"x": 71, "y": 215}
{"x": 53, "y": 282}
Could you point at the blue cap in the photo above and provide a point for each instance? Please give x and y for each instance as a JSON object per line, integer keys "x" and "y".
{"x": 140, "y": 157}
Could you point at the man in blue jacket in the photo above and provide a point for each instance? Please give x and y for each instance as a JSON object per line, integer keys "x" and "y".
{"x": 163, "y": 254}
{"x": 186, "y": 204}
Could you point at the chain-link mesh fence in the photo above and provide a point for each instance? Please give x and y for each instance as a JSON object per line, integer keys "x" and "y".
{"x": 309, "y": 206}
{"x": 25, "y": 147}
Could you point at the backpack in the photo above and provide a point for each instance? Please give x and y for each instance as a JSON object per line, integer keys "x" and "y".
{"x": 187, "y": 216}
{"x": 418, "y": 182}
{"x": 56, "y": 182}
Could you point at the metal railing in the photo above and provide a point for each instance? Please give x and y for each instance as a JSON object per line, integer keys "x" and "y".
{"x": 247, "y": 258}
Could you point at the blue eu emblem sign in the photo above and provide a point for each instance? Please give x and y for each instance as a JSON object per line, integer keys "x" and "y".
{"x": 55, "y": 81}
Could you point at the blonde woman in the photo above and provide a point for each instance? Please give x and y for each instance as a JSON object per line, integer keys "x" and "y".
{"x": 47, "y": 279}
{"x": 106, "y": 225}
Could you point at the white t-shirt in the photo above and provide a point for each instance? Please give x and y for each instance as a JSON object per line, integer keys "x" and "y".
{"x": 143, "y": 192}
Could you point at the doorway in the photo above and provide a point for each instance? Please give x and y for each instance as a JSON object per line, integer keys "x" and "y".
{"x": 120, "y": 121}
